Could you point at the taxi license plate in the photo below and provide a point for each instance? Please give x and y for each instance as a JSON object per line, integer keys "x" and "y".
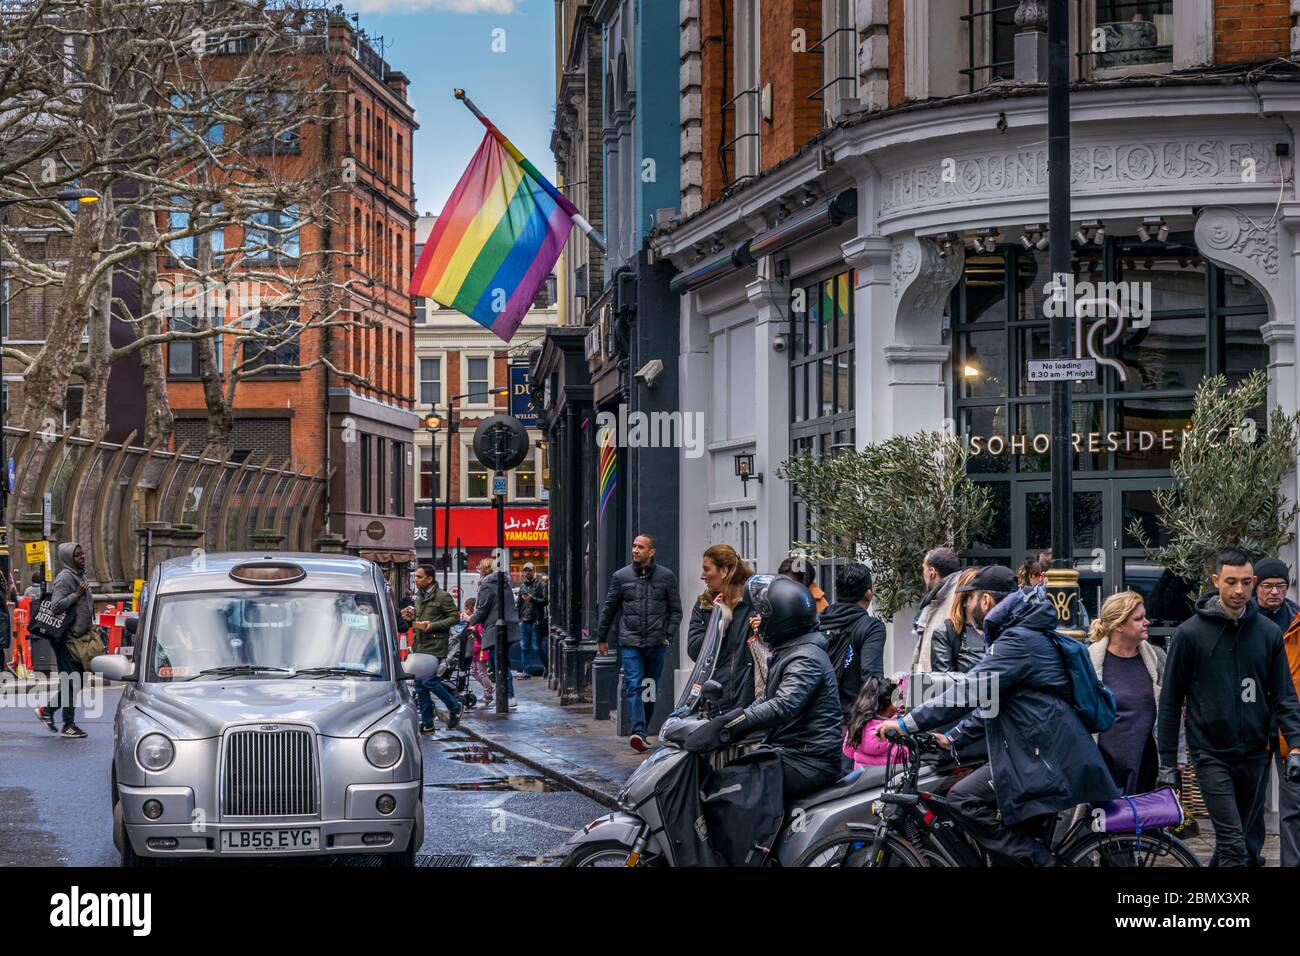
{"x": 255, "y": 841}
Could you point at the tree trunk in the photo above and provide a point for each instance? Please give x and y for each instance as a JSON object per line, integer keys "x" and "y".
{"x": 221, "y": 417}
{"x": 159, "y": 423}
{"x": 94, "y": 401}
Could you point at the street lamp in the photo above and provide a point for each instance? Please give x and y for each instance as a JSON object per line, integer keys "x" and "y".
{"x": 85, "y": 197}
{"x": 452, "y": 428}
{"x": 433, "y": 424}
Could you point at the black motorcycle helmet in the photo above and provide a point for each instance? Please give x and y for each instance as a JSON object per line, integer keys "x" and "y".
{"x": 787, "y": 607}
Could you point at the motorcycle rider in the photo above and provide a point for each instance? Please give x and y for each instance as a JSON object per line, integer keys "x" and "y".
{"x": 799, "y": 714}
{"x": 1041, "y": 757}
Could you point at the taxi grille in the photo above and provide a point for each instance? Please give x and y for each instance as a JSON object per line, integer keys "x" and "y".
{"x": 270, "y": 773}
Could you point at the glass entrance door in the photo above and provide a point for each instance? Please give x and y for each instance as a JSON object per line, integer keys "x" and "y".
{"x": 1108, "y": 557}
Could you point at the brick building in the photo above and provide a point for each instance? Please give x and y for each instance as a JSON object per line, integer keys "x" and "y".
{"x": 361, "y": 431}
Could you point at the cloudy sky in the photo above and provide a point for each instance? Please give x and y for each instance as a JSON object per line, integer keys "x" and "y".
{"x": 502, "y": 52}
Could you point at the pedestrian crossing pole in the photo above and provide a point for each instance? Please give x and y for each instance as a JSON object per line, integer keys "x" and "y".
{"x": 1062, "y": 578}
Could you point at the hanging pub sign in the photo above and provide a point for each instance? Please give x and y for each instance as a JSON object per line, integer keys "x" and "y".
{"x": 521, "y": 399}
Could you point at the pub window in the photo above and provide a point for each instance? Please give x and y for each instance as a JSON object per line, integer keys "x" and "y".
{"x": 822, "y": 378}
{"x": 430, "y": 485}
{"x": 477, "y": 383}
{"x": 477, "y": 483}
{"x": 1127, "y": 424}
{"x": 430, "y": 381}
{"x": 275, "y": 352}
{"x": 73, "y": 397}
{"x": 272, "y": 235}
{"x": 399, "y": 479}
{"x": 525, "y": 476}
{"x": 990, "y": 41}
{"x": 1127, "y": 33}
{"x": 839, "y": 49}
{"x": 745, "y": 104}
{"x": 381, "y": 475}
{"x": 363, "y": 448}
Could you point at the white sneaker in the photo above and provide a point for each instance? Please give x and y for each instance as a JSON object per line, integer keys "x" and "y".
{"x": 514, "y": 704}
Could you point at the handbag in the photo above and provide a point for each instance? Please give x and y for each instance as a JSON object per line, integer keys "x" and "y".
{"x": 50, "y": 624}
{"x": 87, "y": 647}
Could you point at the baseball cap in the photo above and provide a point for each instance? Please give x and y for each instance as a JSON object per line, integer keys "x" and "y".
{"x": 997, "y": 578}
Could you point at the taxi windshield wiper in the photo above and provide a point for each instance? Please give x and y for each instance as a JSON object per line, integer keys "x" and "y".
{"x": 234, "y": 670}
{"x": 337, "y": 671}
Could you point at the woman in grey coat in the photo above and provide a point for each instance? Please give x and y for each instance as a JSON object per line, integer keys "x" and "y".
{"x": 71, "y": 591}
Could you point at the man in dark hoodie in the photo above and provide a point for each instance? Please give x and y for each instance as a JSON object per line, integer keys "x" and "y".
{"x": 1041, "y": 757}
{"x": 1228, "y": 666}
{"x": 70, "y": 591}
{"x": 854, "y": 638}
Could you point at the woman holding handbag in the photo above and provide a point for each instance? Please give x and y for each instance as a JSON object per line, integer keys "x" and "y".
{"x": 71, "y": 592}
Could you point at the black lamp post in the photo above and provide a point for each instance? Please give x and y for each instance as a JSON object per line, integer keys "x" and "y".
{"x": 86, "y": 197}
{"x": 1062, "y": 578}
{"x": 433, "y": 423}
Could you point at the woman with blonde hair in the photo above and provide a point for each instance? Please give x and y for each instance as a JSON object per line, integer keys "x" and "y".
{"x": 1131, "y": 667}
{"x": 958, "y": 645}
{"x": 723, "y": 609}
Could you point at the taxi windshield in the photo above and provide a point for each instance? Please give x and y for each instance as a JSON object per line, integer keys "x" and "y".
{"x": 267, "y": 634}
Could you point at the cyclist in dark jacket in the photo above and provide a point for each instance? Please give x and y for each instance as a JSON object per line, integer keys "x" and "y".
{"x": 799, "y": 715}
{"x": 1041, "y": 757}
{"x": 1228, "y": 666}
{"x": 643, "y": 597}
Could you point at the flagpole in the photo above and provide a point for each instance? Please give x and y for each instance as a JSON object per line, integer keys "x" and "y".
{"x": 588, "y": 229}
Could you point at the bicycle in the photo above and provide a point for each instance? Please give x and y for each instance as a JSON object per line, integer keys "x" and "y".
{"x": 918, "y": 828}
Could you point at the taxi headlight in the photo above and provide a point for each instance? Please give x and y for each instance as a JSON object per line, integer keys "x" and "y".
{"x": 154, "y": 752}
{"x": 383, "y": 749}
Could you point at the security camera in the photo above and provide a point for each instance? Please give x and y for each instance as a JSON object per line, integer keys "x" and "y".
{"x": 650, "y": 372}
{"x": 778, "y": 342}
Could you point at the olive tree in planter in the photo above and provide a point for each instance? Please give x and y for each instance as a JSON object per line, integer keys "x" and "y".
{"x": 1227, "y": 481}
{"x": 888, "y": 504}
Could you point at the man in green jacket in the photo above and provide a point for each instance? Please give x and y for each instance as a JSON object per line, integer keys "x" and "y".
{"x": 435, "y": 613}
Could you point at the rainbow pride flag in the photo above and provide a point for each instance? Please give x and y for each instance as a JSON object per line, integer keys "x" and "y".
{"x": 497, "y": 239}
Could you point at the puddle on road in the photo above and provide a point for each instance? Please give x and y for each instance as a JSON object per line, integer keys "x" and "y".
{"x": 475, "y": 753}
{"x": 517, "y": 784}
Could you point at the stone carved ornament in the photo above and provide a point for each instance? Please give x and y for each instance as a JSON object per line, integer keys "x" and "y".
{"x": 923, "y": 277}
{"x": 1248, "y": 244}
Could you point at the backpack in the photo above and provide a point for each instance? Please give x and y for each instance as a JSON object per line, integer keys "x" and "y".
{"x": 1093, "y": 700}
{"x": 839, "y": 648}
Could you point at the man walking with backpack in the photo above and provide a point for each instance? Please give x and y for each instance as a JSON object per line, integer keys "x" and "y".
{"x": 1228, "y": 667}
{"x": 855, "y": 639}
{"x": 1042, "y": 758}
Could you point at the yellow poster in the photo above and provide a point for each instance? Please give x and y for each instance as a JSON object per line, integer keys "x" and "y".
{"x": 36, "y": 552}
{"x": 136, "y": 588}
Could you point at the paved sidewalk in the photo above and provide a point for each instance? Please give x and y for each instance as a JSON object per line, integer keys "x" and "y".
{"x": 562, "y": 743}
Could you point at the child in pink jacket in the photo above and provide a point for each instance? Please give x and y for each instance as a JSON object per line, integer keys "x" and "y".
{"x": 877, "y": 702}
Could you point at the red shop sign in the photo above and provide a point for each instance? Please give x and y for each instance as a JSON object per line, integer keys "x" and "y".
{"x": 477, "y": 527}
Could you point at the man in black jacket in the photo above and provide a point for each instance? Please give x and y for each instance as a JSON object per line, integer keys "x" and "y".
{"x": 1227, "y": 665}
{"x": 643, "y": 597}
{"x": 855, "y": 640}
{"x": 531, "y": 605}
{"x": 799, "y": 714}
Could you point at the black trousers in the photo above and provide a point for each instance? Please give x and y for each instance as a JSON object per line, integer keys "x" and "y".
{"x": 66, "y": 683}
{"x": 802, "y": 776}
{"x": 974, "y": 803}
{"x": 1234, "y": 795}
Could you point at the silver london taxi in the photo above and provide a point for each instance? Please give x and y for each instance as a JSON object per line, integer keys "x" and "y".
{"x": 266, "y": 712}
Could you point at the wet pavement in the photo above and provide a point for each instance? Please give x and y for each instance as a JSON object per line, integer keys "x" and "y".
{"x": 481, "y": 807}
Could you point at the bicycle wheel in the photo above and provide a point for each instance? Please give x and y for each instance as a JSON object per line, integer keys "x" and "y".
{"x": 1129, "y": 851}
{"x": 852, "y": 848}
